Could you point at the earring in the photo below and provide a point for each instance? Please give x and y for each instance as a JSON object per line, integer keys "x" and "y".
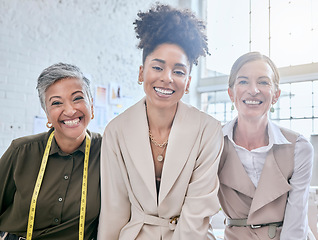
{"x": 92, "y": 117}
{"x": 232, "y": 107}
{"x": 272, "y": 109}
{"x": 139, "y": 80}
{"x": 186, "y": 91}
{"x": 48, "y": 125}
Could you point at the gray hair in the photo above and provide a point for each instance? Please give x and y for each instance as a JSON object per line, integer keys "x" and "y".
{"x": 56, "y": 72}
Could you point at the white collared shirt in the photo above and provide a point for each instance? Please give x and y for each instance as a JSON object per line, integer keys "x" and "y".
{"x": 295, "y": 220}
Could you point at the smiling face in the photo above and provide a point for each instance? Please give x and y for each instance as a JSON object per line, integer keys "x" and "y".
{"x": 166, "y": 76}
{"x": 68, "y": 109}
{"x": 254, "y": 90}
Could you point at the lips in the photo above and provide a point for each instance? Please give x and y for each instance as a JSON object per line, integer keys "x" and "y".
{"x": 72, "y": 122}
{"x": 164, "y": 91}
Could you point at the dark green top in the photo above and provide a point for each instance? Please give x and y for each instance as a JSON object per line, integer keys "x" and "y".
{"x": 58, "y": 205}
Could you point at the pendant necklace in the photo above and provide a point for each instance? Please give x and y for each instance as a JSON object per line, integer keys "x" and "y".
{"x": 160, "y": 155}
{"x": 160, "y": 145}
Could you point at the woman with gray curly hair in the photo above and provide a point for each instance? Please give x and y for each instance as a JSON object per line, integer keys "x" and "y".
{"x": 160, "y": 157}
{"x": 50, "y": 181}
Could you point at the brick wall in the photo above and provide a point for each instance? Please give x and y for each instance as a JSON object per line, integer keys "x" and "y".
{"x": 98, "y": 36}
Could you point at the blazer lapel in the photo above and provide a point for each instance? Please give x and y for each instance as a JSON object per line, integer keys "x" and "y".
{"x": 272, "y": 181}
{"x": 233, "y": 173}
{"x": 182, "y": 137}
{"x": 136, "y": 137}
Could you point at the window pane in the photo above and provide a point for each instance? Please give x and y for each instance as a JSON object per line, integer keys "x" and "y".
{"x": 302, "y": 126}
{"x": 222, "y": 96}
{"x": 219, "y": 107}
{"x": 228, "y": 32}
{"x": 285, "y": 30}
{"x": 301, "y": 99}
{"x": 290, "y": 31}
{"x": 315, "y": 95}
{"x": 283, "y": 106}
{"x": 316, "y": 111}
{"x": 219, "y": 116}
{"x": 204, "y": 102}
{"x": 259, "y": 16}
{"x": 211, "y": 109}
{"x": 315, "y": 130}
{"x": 283, "y": 123}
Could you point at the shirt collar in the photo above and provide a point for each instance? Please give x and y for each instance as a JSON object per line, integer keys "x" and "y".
{"x": 55, "y": 148}
{"x": 274, "y": 133}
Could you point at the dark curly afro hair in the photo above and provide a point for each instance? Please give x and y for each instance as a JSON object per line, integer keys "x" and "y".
{"x": 164, "y": 24}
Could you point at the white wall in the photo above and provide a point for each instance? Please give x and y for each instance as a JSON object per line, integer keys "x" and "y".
{"x": 96, "y": 35}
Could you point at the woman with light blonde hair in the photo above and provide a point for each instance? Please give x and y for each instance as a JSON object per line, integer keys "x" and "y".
{"x": 265, "y": 170}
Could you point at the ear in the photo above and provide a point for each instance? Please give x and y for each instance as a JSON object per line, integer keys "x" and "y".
{"x": 92, "y": 105}
{"x": 140, "y": 75}
{"x": 48, "y": 117}
{"x": 188, "y": 83}
{"x": 231, "y": 94}
{"x": 276, "y": 96}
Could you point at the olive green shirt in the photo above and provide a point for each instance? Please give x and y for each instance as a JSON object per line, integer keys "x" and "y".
{"x": 58, "y": 205}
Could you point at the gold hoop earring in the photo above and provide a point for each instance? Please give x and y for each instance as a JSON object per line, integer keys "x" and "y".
{"x": 48, "y": 125}
{"x": 92, "y": 109}
{"x": 139, "y": 82}
{"x": 186, "y": 91}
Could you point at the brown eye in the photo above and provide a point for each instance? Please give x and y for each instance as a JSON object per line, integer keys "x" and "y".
{"x": 181, "y": 73}
{"x": 56, "y": 103}
{"x": 78, "y": 98}
{"x": 157, "y": 68}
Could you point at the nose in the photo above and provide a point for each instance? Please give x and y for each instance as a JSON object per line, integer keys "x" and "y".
{"x": 69, "y": 109}
{"x": 253, "y": 89}
{"x": 167, "y": 76}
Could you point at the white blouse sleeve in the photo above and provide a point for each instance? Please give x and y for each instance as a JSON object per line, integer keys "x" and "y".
{"x": 296, "y": 222}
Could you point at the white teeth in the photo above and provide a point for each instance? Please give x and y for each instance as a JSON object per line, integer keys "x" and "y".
{"x": 72, "y": 122}
{"x": 252, "y": 102}
{"x": 164, "y": 91}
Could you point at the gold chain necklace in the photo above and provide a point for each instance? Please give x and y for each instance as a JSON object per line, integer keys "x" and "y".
{"x": 161, "y": 145}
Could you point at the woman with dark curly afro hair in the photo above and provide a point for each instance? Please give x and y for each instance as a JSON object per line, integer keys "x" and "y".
{"x": 160, "y": 157}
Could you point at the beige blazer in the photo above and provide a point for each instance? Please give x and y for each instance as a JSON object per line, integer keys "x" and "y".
{"x": 265, "y": 204}
{"x": 189, "y": 183}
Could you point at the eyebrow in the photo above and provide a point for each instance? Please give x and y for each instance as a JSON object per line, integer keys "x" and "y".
{"x": 164, "y": 62}
{"x": 264, "y": 77}
{"x": 72, "y": 95}
{"x": 257, "y": 78}
{"x": 242, "y": 77}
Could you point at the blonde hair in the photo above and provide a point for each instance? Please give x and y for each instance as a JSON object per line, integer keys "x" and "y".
{"x": 250, "y": 57}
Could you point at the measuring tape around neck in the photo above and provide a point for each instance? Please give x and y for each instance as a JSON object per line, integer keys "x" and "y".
{"x": 39, "y": 182}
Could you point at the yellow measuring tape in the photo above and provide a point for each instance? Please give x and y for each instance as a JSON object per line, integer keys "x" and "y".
{"x": 39, "y": 182}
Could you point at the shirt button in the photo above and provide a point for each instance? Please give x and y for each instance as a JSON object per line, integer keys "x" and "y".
{"x": 56, "y": 220}
{"x": 60, "y": 199}
{"x": 66, "y": 177}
